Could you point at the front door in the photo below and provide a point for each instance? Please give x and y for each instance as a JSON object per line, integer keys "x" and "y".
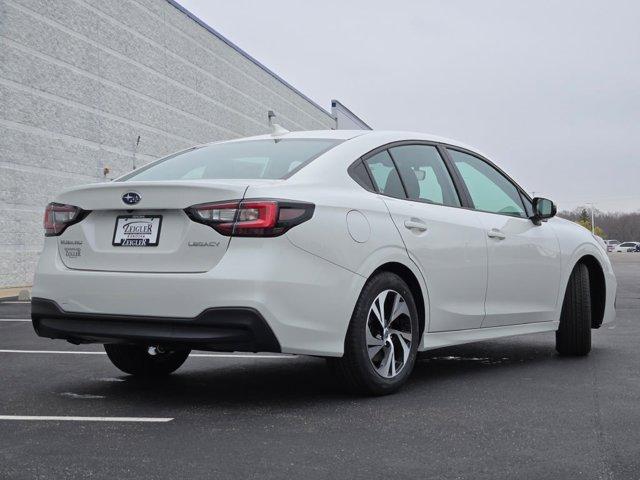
{"x": 524, "y": 258}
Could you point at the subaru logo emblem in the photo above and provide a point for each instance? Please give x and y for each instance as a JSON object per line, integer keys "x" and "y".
{"x": 131, "y": 198}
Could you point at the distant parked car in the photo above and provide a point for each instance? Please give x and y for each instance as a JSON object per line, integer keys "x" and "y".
{"x": 612, "y": 244}
{"x": 628, "y": 247}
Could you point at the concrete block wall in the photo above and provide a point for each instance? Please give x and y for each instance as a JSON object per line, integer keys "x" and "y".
{"x": 81, "y": 80}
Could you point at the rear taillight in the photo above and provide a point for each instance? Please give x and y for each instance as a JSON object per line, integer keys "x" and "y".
{"x": 57, "y": 217}
{"x": 251, "y": 218}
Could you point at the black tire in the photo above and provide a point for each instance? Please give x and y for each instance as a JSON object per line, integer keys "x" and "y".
{"x": 573, "y": 336}
{"x": 355, "y": 369}
{"x": 135, "y": 360}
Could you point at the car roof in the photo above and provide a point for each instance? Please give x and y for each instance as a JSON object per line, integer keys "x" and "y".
{"x": 383, "y": 135}
{"x": 315, "y": 134}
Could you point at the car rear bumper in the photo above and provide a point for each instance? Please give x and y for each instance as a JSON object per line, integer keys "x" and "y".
{"x": 305, "y": 300}
{"x": 220, "y": 329}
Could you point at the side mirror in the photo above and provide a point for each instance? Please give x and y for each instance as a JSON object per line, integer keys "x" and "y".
{"x": 543, "y": 208}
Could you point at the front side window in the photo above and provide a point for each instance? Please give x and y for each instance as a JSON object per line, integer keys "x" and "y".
{"x": 424, "y": 174}
{"x": 528, "y": 206}
{"x": 248, "y": 159}
{"x": 385, "y": 175}
{"x": 490, "y": 190}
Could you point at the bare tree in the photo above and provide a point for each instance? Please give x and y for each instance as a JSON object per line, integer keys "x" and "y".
{"x": 615, "y": 225}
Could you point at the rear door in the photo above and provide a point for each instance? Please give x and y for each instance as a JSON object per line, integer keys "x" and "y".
{"x": 524, "y": 258}
{"x": 445, "y": 241}
{"x": 152, "y": 235}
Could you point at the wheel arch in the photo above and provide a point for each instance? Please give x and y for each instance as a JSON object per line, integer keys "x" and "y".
{"x": 410, "y": 278}
{"x": 597, "y": 288}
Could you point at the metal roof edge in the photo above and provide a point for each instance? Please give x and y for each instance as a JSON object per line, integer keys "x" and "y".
{"x": 211, "y": 30}
{"x": 347, "y": 110}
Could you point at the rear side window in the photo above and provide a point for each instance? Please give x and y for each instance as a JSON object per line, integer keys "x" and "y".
{"x": 424, "y": 174}
{"x": 385, "y": 176}
{"x": 250, "y": 159}
{"x": 359, "y": 173}
{"x": 489, "y": 189}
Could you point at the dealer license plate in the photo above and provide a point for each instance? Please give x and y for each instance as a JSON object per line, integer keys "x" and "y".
{"x": 137, "y": 231}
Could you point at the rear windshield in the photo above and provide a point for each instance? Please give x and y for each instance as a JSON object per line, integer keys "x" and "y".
{"x": 270, "y": 159}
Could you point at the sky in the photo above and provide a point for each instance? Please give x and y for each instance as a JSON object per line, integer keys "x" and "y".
{"x": 548, "y": 90}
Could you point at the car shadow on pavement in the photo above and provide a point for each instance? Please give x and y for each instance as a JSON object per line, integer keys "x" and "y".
{"x": 299, "y": 381}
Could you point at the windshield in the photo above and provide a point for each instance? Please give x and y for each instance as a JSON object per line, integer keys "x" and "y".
{"x": 270, "y": 159}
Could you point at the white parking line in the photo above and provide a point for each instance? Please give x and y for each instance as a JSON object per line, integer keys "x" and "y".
{"x": 15, "y": 320}
{"x": 85, "y": 419}
{"x": 53, "y": 351}
{"x": 239, "y": 355}
{"x": 205, "y": 355}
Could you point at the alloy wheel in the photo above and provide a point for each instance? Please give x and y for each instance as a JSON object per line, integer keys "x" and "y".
{"x": 389, "y": 333}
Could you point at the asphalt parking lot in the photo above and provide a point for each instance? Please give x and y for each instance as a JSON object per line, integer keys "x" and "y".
{"x": 502, "y": 409}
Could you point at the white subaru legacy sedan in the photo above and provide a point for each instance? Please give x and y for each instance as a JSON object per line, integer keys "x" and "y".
{"x": 361, "y": 247}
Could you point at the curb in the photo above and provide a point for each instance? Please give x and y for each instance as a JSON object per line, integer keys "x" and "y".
{"x": 22, "y": 294}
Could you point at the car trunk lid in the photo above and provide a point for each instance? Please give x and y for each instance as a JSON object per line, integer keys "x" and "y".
{"x": 153, "y": 234}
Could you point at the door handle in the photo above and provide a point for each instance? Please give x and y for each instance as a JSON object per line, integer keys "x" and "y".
{"x": 415, "y": 225}
{"x": 497, "y": 234}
